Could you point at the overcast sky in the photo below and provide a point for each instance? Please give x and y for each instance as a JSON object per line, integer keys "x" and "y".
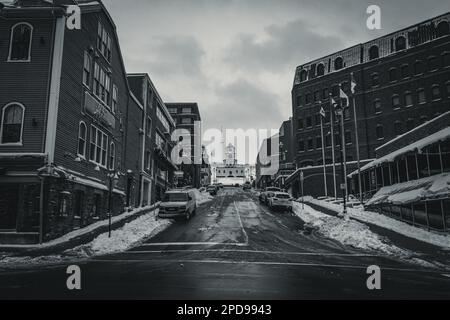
{"x": 237, "y": 58}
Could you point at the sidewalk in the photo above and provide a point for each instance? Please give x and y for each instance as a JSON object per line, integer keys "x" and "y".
{"x": 76, "y": 237}
{"x": 421, "y": 248}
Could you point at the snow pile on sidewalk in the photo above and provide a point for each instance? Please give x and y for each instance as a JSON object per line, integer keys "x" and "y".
{"x": 202, "y": 197}
{"x": 129, "y": 235}
{"x": 386, "y": 222}
{"x": 351, "y": 233}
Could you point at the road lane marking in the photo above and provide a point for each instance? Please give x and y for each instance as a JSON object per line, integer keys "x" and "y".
{"x": 240, "y": 222}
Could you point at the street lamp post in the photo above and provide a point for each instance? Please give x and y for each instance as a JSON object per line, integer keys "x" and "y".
{"x": 113, "y": 178}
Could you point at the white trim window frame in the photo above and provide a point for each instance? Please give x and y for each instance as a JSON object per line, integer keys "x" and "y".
{"x": 82, "y": 139}
{"x": 114, "y": 100}
{"x": 2, "y": 126}
{"x": 87, "y": 69}
{"x": 98, "y": 147}
{"x": 96, "y": 88}
{"x": 107, "y": 89}
{"x": 11, "y": 42}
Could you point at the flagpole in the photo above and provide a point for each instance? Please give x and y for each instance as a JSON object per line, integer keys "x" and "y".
{"x": 323, "y": 157}
{"x": 332, "y": 145}
{"x": 357, "y": 138}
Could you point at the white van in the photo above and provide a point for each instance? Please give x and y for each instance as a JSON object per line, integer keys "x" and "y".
{"x": 178, "y": 204}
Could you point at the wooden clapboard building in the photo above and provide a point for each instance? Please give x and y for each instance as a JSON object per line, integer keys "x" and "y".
{"x": 63, "y": 106}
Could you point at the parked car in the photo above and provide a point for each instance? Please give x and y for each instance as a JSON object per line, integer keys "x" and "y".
{"x": 178, "y": 204}
{"x": 220, "y": 185}
{"x": 247, "y": 186}
{"x": 280, "y": 200}
{"x": 212, "y": 190}
{"x": 263, "y": 196}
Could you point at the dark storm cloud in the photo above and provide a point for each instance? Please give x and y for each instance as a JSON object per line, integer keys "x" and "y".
{"x": 244, "y": 105}
{"x": 287, "y": 46}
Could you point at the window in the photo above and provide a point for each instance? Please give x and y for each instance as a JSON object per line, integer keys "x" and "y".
{"x": 148, "y": 127}
{"x": 398, "y": 128}
{"x": 96, "y": 79}
{"x": 303, "y": 75}
{"x": 318, "y": 142}
{"x": 374, "y": 53}
{"x": 82, "y": 131}
{"x": 300, "y": 124}
{"x": 447, "y": 88}
{"x": 395, "y": 101}
{"x": 98, "y": 146}
{"x": 186, "y": 110}
{"x": 375, "y": 79}
{"x": 320, "y": 69}
{"x": 348, "y": 137}
{"x": 325, "y": 93}
{"x": 316, "y": 96}
{"x": 418, "y": 68}
{"x": 148, "y": 160}
{"x": 172, "y": 110}
{"x": 393, "y": 75}
{"x": 408, "y": 99}
{"x": 380, "y": 133}
{"x": 104, "y": 42}
{"x": 160, "y": 141}
{"x": 114, "y": 99}
{"x": 317, "y": 119}
{"x": 400, "y": 43}
{"x": 435, "y": 92}
{"x": 410, "y": 124}
{"x": 338, "y": 63}
{"x": 433, "y": 64}
{"x": 328, "y": 140}
{"x": 87, "y": 69}
{"x": 301, "y": 146}
{"x": 186, "y": 120}
{"x": 310, "y": 144}
{"x": 299, "y": 100}
{"x": 421, "y": 98}
{"x": 377, "y": 106}
{"x": 308, "y": 122}
{"x": 335, "y": 90}
{"x": 308, "y": 98}
{"x": 404, "y": 71}
{"x": 163, "y": 119}
{"x": 442, "y": 29}
{"x": 20, "y": 42}
{"x": 112, "y": 155}
{"x": 446, "y": 59}
{"x": 12, "y": 123}
{"x": 107, "y": 94}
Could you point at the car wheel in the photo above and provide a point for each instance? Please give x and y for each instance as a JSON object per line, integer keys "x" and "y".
{"x": 188, "y": 216}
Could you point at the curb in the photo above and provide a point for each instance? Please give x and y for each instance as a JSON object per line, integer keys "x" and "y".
{"x": 76, "y": 241}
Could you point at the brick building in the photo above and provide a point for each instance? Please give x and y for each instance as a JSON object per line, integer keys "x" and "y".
{"x": 156, "y": 169}
{"x": 187, "y": 117}
{"x": 402, "y": 80}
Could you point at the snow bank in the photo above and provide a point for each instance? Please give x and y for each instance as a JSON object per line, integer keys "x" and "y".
{"x": 129, "y": 235}
{"x": 202, "y": 197}
{"x": 412, "y": 191}
{"x": 350, "y": 233}
{"x": 386, "y": 222}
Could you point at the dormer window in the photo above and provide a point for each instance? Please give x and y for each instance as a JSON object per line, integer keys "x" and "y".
{"x": 338, "y": 63}
{"x": 442, "y": 29}
{"x": 320, "y": 69}
{"x": 400, "y": 43}
{"x": 374, "y": 52}
{"x": 20, "y": 42}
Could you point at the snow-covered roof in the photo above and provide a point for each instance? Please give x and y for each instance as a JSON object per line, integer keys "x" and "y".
{"x": 418, "y": 145}
{"x": 434, "y": 187}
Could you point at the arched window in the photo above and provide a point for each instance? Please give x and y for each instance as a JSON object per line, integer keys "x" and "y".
{"x": 112, "y": 155}
{"x": 303, "y": 75}
{"x": 374, "y": 52}
{"x": 20, "y": 42}
{"x": 82, "y": 131}
{"x": 12, "y": 123}
{"x": 400, "y": 43}
{"x": 442, "y": 29}
{"x": 338, "y": 63}
{"x": 320, "y": 69}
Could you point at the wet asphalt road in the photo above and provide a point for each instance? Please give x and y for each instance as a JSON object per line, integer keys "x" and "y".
{"x": 234, "y": 248}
